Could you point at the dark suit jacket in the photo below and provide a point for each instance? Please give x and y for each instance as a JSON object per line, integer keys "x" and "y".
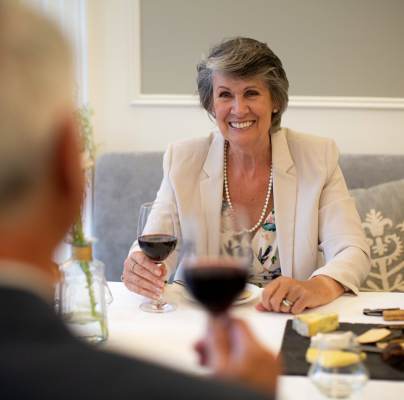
{"x": 40, "y": 359}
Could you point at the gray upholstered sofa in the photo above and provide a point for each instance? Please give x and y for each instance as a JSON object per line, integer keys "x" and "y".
{"x": 125, "y": 180}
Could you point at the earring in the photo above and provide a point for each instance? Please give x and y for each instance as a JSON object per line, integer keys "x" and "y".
{"x": 275, "y": 110}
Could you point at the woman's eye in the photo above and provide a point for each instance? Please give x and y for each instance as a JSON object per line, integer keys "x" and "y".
{"x": 252, "y": 93}
{"x": 224, "y": 94}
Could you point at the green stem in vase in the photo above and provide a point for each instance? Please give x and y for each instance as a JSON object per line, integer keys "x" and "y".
{"x": 85, "y": 267}
{"x": 77, "y": 232}
{"x": 79, "y": 240}
{"x": 77, "y": 237}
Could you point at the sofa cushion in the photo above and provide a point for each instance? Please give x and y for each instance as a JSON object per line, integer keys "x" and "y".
{"x": 367, "y": 170}
{"x": 381, "y": 209}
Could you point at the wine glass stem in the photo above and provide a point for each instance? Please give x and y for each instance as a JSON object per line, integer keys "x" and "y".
{"x": 160, "y": 302}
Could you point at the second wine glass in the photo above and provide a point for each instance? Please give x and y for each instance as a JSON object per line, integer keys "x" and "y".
{"x": 216, "y": 281}
{"x": 157, "y": 240}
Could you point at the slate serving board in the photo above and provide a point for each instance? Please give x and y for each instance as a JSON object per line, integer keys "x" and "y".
{"x": 294, "y": 348}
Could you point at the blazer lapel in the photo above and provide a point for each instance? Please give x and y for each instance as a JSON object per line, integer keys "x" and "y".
{"x": 211, "y": 192}
{"x": 285, "y": 192}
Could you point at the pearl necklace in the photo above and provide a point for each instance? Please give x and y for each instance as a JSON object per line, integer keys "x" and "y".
{"x": 227, "y": 192}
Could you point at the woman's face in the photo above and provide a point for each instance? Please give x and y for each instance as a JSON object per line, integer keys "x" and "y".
{"x": 243, "y": 109}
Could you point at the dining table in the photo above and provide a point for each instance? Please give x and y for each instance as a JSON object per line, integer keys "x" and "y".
{"x": 168, "y": 338}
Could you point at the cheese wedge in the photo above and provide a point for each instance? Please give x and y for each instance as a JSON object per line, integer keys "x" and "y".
{"x": 245, "y": 294}
{"x": 333, "y": 358}
{"x": 312, "y": 323}
{"x": 333, "y": 341}
{"x": 373, "y": 335}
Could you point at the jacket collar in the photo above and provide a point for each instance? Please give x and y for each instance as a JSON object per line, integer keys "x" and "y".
{"x": 281, "y": 158}
{"x": 213, "y": 165}
{"x": 211, "y": 192}
{"x": 285, "y": 193}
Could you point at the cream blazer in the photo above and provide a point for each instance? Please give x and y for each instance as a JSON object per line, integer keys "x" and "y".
{"x": 314, "y": 211}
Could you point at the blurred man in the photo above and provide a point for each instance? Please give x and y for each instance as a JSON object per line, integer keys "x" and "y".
{"x": 41, "y": 187}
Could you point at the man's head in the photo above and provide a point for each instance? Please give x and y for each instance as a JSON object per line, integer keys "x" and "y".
{"x": 40, "y": 176}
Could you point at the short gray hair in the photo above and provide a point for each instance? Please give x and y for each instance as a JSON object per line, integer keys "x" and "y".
{"x": 36, "y": 79}
{"x": 244, "y": 58}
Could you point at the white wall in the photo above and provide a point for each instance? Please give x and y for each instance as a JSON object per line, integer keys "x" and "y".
{"x": 113, "y": 30}
{"x": 71, "y": 17}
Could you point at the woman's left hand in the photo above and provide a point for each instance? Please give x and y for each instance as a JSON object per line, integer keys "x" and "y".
{"x": 287, "y": 295}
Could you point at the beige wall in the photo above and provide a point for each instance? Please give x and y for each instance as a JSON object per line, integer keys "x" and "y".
{"x": 114, "y": 73}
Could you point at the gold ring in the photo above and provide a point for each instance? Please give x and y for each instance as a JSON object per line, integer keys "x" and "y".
{"x": 287, "y": 303}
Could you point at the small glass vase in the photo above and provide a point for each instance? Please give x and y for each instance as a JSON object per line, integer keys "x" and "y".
{"x": 338, "y": 371}
{"x": 84, "y": 294}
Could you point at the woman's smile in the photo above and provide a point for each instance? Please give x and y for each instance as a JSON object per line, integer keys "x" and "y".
{"x": 241, "y": 125}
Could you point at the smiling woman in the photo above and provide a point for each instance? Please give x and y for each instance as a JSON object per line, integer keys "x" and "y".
{"x": 288, "y": 184}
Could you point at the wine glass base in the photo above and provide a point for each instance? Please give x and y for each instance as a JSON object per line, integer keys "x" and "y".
{"x": 152, "y": 307}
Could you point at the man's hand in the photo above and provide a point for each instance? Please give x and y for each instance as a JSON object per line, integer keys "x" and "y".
{"x": 233, "y": 353}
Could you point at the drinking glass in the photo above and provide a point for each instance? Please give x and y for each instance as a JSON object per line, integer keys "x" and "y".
{"x": 157, "y": 240}
{"x": 342, "y": 377}
{"x": 216, "y": 281}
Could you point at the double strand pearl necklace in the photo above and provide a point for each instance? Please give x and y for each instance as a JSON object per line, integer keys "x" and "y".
{"x": 227, "y": 192}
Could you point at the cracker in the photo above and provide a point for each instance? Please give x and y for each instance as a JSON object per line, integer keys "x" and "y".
{"x": 373, "y": 335}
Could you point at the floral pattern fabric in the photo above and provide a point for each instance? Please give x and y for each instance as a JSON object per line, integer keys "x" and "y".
{"x": 386, "y": 241}
{"x": 261, "y": 248}
{"x": 382, "y": 213}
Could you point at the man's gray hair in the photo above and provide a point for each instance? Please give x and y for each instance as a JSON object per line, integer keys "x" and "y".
{"x": 35, "y": 87}
{"x": 244, "y": 58}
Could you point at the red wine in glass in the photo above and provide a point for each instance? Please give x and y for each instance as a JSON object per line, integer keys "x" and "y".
{"x": 215, "y": 283}
{"x": 157, "y": 246}
{"x": 157, "y": 239}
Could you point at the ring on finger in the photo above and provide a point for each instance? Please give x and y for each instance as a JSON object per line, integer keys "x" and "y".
{"x": 287, "y": 303}
{"x": 132, "y": 268}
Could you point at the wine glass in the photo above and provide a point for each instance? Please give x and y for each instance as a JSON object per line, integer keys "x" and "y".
{"x": 157, "y": 239}
{"x": 216, "y": 281}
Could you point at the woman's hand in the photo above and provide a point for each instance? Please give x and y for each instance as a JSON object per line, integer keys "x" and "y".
{"x": 233, "y": 353}
{"x": 143, "y": 276}
{"x": 289, "y": 295}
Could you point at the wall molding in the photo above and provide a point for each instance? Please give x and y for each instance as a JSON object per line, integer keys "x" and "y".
{"x": 139, "y": 99}
{"x": 381, "y": 103}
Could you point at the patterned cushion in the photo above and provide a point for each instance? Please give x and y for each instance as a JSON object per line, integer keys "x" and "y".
{"x": 381, "y": 209}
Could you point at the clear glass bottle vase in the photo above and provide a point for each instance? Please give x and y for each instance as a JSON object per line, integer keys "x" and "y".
{"x": 338, "y": 371}
{"x": 84, "y": 294}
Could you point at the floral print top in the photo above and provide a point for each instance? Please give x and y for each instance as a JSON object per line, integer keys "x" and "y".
{"x": 261, "y": 248}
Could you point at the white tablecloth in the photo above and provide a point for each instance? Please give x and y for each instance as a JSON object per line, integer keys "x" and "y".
{"x": 168, "y": 338}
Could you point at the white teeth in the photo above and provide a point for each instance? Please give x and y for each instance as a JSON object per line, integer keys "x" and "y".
{"x": 240, "y": 125}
